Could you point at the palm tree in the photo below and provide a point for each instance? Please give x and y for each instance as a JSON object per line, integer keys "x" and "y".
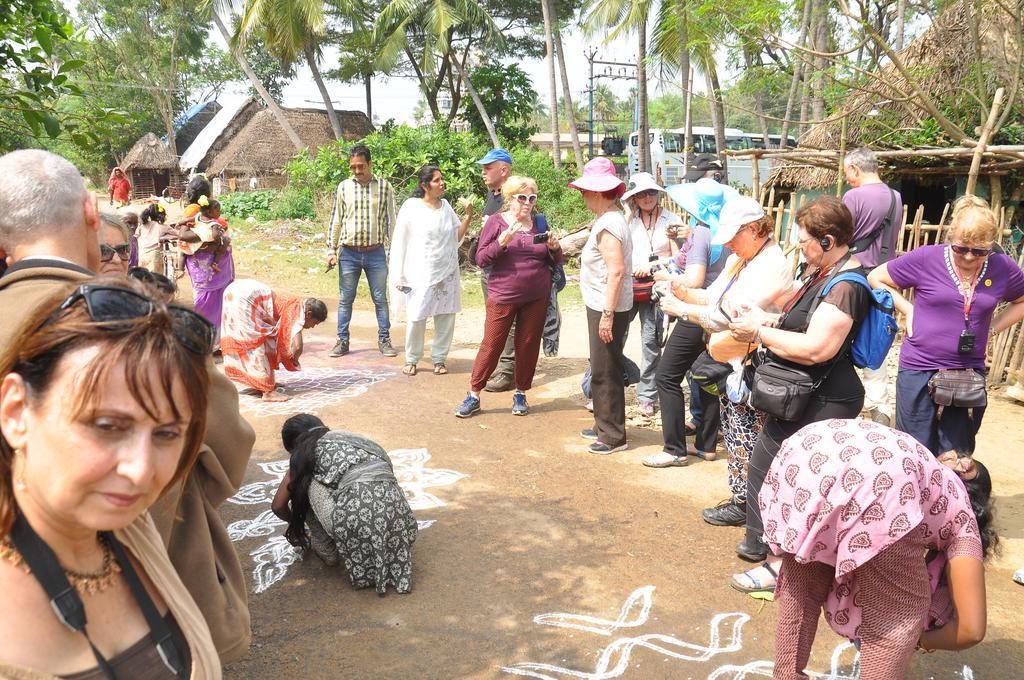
{"x": 214, "y": 7}
{"x": 680, "y": 34}
{"x": 439, "y": 21}
{"x": 549, "y": 45}
{"x": 622, "y": 17}
{"x": 291, "y": 29}
{"x": 574, "y": 133}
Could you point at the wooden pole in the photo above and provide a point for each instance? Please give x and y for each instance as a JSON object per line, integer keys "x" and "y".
{"x": 842, "y": 155}
{"x": 942, "y": 224}
{"x": 755, "y": 177}
{"x": 986, "y": 132}
{"x": 780, "y": 213}
{"x": 995, "y": 184}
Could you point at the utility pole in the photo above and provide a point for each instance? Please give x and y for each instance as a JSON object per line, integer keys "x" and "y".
{"x": 621, "y": 75}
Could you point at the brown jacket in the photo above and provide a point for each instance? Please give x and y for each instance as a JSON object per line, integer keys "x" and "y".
{"x": 187, "y": 515}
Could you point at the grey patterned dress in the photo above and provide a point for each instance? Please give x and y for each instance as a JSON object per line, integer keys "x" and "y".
{"x": 360, "y": 514}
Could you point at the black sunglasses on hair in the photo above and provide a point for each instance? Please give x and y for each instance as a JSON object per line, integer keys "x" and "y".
{"x": 123, "y": 251}
{"x": 110, "y": 304}
{"x": 963, "y": 250}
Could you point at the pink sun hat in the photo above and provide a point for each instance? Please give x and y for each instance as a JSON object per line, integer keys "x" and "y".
{"x": 599, "y": 175}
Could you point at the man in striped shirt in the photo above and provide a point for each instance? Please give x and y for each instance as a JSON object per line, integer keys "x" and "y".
{"x": 364, "y": 212}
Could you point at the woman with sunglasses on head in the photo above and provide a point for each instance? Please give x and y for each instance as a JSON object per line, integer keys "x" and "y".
{"x": 520, "y": 252}
{"x": 424, "y": 268}
{"x": 115, "y": 248}
{"x": 957, "y": 287}
{"x": 650, "y": 226}
{"x": 102, "y": 408}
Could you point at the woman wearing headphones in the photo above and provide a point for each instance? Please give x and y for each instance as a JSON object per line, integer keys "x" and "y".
{"x": 815, "y": 336}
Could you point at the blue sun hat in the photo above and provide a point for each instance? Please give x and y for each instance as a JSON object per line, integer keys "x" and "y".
{"x": 703, "y": 201}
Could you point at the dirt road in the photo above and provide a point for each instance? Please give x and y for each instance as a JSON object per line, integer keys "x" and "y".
{"x": 539, "y": 559}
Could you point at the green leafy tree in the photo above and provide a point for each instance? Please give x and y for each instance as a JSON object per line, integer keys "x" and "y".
{"x": 36, "y": 70}
{"x": 151, "y": 41}
{"x": 509, "y": 99}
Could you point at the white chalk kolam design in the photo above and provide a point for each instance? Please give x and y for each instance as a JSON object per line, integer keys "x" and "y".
{"x": 614, "y": 659}
{"x": 313, "y": 389}
{"x": 272, "y": 558}
{"x": 725, "y": 637}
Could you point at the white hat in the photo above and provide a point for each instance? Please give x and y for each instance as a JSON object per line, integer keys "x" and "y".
{"x": 735, "y": 213}
{"x": 638, "y": 182}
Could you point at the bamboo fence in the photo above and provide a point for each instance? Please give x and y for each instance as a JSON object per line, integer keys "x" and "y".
{"x": 1005, "y": 351}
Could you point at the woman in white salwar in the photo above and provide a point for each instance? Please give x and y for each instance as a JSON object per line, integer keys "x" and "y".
{"x": 424, "y": 265}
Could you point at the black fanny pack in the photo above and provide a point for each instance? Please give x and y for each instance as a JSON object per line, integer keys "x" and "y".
{"x": 781, "y": 390}
{"x": 961, "y": 387}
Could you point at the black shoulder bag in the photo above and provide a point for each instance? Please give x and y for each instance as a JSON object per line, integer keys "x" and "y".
{"x": 68, "y": 606}
{"x": 783, "y": 390}
{"x": 863, "y": 243}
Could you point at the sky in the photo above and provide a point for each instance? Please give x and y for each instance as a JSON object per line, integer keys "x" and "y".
{"x": 391, "y": 96}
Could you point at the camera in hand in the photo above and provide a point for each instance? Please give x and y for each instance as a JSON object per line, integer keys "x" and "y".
{"x": 966, "y": 343}
{"x": 542, "y": 237}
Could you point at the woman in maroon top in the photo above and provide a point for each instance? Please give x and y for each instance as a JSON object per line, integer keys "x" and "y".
{"x": 517, "y": 246}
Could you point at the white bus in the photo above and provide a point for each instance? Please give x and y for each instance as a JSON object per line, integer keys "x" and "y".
{"x": 667, "y": 153}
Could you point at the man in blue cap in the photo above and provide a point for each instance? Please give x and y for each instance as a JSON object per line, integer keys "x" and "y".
{"x": 496, "y": 168}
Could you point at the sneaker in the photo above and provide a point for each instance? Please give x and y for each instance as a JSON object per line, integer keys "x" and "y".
{"x": 725, "y": 514}
{"x": 468, "y": 407}
{"x": 589, "y": 433}
{"x": 647, "y": 408}
{"x": 519, "y": 407}
{"x": 340, "y": 348}
{"x": 664, "y": 459}
{"x": 386, "y": 348}
{"x": 602, "y": 449}
{"x": 499, "y": 383}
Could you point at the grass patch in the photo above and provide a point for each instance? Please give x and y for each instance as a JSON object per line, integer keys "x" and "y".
{"x": 290, "y": 255}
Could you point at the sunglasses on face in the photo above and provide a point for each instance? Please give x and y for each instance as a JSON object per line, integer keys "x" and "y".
{"x": 963, "y": 250}
{"x": 123, "y": 251}
{"x": 650, "y": 193}
{"x": 525, "y": 198}
{"x": 110, "y": 305}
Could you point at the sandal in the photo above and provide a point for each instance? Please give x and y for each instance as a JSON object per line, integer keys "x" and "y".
{"x": 410, "y": 369}
{"x": 756, "y": 583}
{"x": 705, "y": 455}
{"x": 440, "y": 369}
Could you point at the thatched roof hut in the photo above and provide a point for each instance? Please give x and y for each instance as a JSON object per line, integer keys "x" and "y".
{"x": 151, "y": 167}
{"x": 881, "y": 113}
{"x": 218, "y": 133}
{"x": 261, "y": 148}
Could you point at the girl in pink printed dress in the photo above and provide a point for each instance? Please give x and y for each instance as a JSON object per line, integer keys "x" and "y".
{"x": 889, "y": 540}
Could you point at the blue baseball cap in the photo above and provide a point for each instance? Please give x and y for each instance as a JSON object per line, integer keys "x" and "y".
{"x": 496, "y": 155}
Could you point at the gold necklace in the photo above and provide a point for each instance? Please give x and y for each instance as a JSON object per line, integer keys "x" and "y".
{"x": 84, "y": 583}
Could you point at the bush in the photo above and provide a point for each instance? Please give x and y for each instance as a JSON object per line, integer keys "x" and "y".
{"x": 399, "y": 151}
{"x": 290, "y": 204}
{"x": 293, "y": 204}
{"x": 245, "y": 204}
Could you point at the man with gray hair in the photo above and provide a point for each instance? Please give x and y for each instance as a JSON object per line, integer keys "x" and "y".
{"x": 49, "y": 235}
{"x": 49, "y": 230}
{"x": 877, "y": 214}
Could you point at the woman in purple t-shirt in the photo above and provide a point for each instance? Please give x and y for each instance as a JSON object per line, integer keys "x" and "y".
{"x": 520, "y": 252}
{"x": 956, "y": 290}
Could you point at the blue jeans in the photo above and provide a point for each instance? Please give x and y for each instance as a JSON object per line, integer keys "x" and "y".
{"x": 351, "y": 263}
{"x": 918, "y": 416}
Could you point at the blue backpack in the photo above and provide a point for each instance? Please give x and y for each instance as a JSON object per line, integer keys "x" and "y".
{"x": 878, "y": 329}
